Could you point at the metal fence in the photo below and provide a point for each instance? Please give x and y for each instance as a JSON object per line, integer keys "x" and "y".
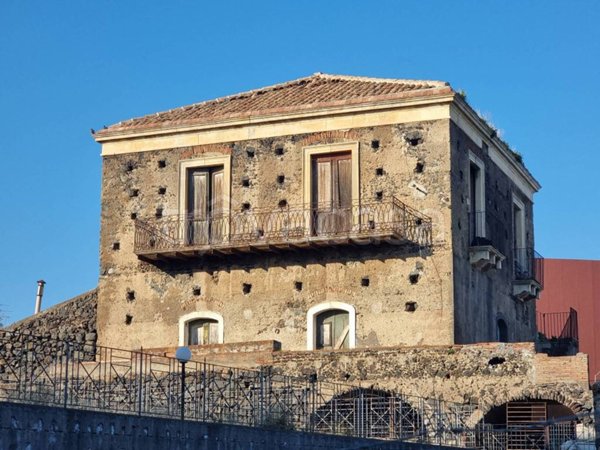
{"x": 73, "y": 375}
{"x": 559, "y": 325}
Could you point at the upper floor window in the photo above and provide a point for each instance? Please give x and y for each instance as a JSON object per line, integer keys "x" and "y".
{"x": 332, "y": 192}
{"x": 204, "y": 208}
{"x": 477, "y": 217}
{"x": 519, "y": 236}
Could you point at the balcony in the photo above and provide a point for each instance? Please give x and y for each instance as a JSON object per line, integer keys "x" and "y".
{"x": 558, "y": 333}
{"x": 483, "y": 252}
{"x": 528, "y": 273}
{"x": 288, "y": 228}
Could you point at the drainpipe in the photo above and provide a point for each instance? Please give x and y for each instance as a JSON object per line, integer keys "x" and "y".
{"x": 38, "y": 297}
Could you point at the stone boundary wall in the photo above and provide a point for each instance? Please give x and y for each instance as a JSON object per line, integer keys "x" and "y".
{"x": 72, "y": 321}
{"x": 488, "y": 374}
{"x": 34, "y": 427}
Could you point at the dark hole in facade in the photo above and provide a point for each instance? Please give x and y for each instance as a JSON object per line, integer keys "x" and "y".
{"x": 410, "y": 306}
{"x": 260, "y": 233}
{"x": 159, "y": 213}
{"x": 162, "y": 164}
{"x": 246, "y": 288}
{"x": 365, "y": 282}
{"x": 459, "y": 225}
{"x": 312, "y": 378}
{"x": 460, "y": 173}
{"x": 282, "y": 203}
{"x": 245, "y": 206}
{"x": 279, "y": 151}
{"x": 134, "y": 193}
{"x": 250, "y": 152}
{"x": 130, "y": 295}
{"x": 116, "y": 246}
{"x": 419, "y": 167}
{"x": 371, "y": 224}
{"x": 128, "y": 319}
{"x": 413, "y": 278}
{"x": 419, "y": 222}
{"x": 298, "y": 285}
{"x": 162, "y": 190}
{"x": 196, "y": 291}
{"x": 379, "y": 171}
{"x": 133, "y": 216}
{"x": 246, "y": 182}
{"x": 414, "y": 141}
{"x": 129, "y": 167}
{"x": 280, "y": 179}
{"x": 375, "y": 144}
{"x": 379, "y": 195}
{"x": 496, "y": 360}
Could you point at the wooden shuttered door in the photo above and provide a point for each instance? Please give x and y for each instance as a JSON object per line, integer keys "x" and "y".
{"x": 333, "y": 329}
{"x": 203, "y": 332}
{"x": 204, "y": 215}
{"x": 332, "y": 193}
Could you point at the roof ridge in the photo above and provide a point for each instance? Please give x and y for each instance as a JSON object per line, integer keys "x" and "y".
{"x": 379, "y": 80}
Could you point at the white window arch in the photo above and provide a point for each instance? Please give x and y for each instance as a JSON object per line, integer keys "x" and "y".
{"x": 311, "y": 322}
{"x": 185, "y": 320}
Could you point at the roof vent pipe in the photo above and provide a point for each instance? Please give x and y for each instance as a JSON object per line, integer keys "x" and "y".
{"x": 39, "y": 295}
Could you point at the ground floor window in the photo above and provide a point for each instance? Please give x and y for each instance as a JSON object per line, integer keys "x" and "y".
{"x": 202, "y": 332}
{"x": 331, "y": 325}
{"x": 201, "y": 328}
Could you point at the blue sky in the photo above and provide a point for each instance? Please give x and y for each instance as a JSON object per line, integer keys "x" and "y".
{"x": 530, "y": 66}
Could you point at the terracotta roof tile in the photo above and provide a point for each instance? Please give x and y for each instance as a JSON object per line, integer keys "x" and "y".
{"x": 305, "y": 94}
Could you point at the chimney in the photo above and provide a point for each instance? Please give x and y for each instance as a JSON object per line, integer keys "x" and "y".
{"x": 38, "y": 297}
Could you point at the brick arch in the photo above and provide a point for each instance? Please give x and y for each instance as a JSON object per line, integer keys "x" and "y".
{"x": 560, "y": 393}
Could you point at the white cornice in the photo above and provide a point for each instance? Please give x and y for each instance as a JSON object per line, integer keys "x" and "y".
{"x": 466, "y": 119}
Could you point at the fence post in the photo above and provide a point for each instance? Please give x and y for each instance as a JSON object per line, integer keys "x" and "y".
{"x": 66, "y": 388}
{"x": 140, "y": 382}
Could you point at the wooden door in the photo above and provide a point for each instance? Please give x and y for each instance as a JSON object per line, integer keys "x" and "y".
{"x": 197, "y": 217}
{"x": 333, "y": 329}
{"x": 203, "y": 332}
{"x": 332, "y": 194}
{"x": 205, "y": 215}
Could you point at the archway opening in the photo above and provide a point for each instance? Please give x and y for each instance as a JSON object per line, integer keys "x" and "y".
{"x": 527, "y": 424}
{"x": 502, "y": 331}
{"x": 369, "y": 413}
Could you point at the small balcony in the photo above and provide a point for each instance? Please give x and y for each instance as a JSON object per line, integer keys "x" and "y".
{"x": 558, "y": 333}
{"x": 483, "y": 252}
{"x": 528, "y": 273}
{"x": 287, "y": 228}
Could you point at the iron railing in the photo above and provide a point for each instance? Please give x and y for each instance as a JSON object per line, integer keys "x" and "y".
{"x": 41, "y": 370}
{"x": 560, "y": 325}
{"x": 387, "y": 220}
{"x": 528, "y": 265}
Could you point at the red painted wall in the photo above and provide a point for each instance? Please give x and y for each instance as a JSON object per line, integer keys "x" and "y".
{"x": 571, "y": 283}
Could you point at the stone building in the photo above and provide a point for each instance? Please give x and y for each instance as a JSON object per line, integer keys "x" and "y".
{"x": 329, "y": 211}
{"x": 372, "y": 231}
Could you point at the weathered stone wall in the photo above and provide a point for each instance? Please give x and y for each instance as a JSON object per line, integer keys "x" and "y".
{"x": 481, "y": 298}
{"x": 485, "y": 374}
{"x": 27, "y": 427}
{"x": 274, "y": 309}
{"x": 71, "y": 321}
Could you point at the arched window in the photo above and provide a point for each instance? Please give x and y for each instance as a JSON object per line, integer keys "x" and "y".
{"x": 332, "y": 326}
{"x": 201, "y": 328}
{"x": 502, "y": 331}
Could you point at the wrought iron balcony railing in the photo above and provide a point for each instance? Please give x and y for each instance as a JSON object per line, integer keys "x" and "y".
{"x": 529, "y": 265}
{"x": 387, "y": 220}
{"x": 560, "y": 325}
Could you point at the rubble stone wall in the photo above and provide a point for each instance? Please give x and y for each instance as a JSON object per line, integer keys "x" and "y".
{"x": 72, "y": 321}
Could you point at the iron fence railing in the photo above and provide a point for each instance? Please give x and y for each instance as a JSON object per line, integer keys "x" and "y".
{"x": 41, "y": 370}
{"x": 559, "y": 325}
{"x": 388, "y": 219}
{"x": 528, "y": 265}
